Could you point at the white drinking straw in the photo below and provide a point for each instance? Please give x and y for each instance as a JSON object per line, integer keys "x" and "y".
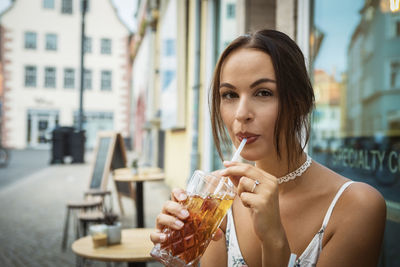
{"x": 236, "y": 155}
{"x": 240, "y": 148}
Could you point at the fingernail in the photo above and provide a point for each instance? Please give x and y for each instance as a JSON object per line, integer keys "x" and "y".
{"x": 226, "y": 162}
{"x": 222, "y": 172}
{"x": 179, "y": 224}
{"x": 182, "y": 197}
{"x": 163, "y": 237}
{"x": 184, "y": 213}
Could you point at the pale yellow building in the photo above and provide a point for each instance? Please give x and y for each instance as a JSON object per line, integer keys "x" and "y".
{"x": 187, "y": 37}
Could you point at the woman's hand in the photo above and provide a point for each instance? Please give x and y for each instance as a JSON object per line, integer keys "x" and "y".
{"x": 173, "y": 216}
{"x": 263, "y": 201}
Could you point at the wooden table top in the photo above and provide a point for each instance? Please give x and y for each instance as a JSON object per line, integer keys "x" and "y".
{"x": 126, "y": 175}
{"x": 135, "y": 247}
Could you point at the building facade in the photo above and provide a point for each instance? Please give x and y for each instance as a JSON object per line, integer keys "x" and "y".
{"x": 40, "y": 53}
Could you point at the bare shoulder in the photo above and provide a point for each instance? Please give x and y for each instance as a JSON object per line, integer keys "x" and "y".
{"x": 356, "y": 228}
{"x": 359, "y": 195}
{"x": 364, "y": 199}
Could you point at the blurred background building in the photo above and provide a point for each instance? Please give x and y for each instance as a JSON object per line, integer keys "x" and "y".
{"x": 174, "y": 53}
{"x": 40, "y": 57}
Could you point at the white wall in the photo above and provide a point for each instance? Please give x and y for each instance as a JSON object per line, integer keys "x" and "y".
{"x": 101, "y": 22}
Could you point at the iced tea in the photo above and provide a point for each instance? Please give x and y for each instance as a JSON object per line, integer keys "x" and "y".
{"x": 185, "y": 246}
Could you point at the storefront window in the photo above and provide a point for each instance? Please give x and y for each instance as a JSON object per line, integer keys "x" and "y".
{"x": 355, "y": 59}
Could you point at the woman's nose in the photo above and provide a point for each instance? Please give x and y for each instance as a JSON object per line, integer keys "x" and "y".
{"x": 244, "y": 111}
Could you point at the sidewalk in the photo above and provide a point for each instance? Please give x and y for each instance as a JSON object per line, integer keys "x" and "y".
{"x": 33, "y": 212}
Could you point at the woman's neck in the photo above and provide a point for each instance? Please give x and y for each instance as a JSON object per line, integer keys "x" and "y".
{"x": 278, "y": 167}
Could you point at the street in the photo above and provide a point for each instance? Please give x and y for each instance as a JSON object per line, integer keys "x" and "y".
{"x": 23, "y": 163}
{"x": 33, "y": 195}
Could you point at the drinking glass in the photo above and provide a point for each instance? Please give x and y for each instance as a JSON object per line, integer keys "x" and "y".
{"x": 209, "y": 198}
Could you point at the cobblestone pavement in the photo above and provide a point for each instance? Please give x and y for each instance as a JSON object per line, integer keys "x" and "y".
{"x": 33, "y": 209}
{"x": 23, "y": 163}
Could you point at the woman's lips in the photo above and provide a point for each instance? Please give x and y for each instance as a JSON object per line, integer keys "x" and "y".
{"x": 250, "y": 139}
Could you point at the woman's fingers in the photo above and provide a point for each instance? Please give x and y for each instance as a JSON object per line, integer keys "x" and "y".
{"x": 246, "y": 185}
{"x": 217, "y": 235}
{"x": 236, "y": 170}
{"x": 248, "y": 199}
{"x": 175, "y": 209}
{"x": 178, "y": 195}
{"x": 158, "y": 237}
{"x": 165, "y": 220}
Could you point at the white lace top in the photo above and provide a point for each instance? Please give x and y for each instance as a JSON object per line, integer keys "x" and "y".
{"x": 308, "y": 258}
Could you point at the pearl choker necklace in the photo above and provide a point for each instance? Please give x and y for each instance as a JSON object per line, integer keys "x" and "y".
{"x": 297, "y": 172}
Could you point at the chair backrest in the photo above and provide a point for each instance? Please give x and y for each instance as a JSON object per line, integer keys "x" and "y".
{"x": 109, "y": 155}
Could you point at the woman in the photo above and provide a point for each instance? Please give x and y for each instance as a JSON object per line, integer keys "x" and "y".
{"x": 286, "y": 203}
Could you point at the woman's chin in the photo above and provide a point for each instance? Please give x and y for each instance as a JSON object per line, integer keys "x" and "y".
{"x": 250, "y": 156}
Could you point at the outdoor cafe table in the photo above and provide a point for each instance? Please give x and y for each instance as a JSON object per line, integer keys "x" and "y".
{"x": 135, "y": 248}
{"x": 147, "y": 175}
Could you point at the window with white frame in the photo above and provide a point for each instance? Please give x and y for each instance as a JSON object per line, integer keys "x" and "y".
{"x": 87, "y": 45}
{"x": 51, "y": 41}
{"x": 106, "y": 80}
{"x": 66, "y": 6}
{"x": 49, "y": 77}
{"x": 105, "y": 46}
{"x": 69, "y": 78}
{"x": 30, "y": 40}
{"x": 87, "y": 79}
{"x": 30, "y": 76}
{"x": 48, "y": 4}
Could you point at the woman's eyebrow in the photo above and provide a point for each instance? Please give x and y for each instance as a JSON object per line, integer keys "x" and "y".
{"x": 227, "y": 85}
{"x": 263, "y": 80}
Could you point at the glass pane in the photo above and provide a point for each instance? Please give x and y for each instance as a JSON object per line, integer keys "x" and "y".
{"x": 356, "y": 76}
{"x": 51, "y": 42}
{"x": 69, "y": 78}
{"x": 48, "y": 4}
{"x": 105, "y": 46}
{"x": 50, "y": 78}
{"x": 30, "y": 40}
{"x": 87, "y": 80}
{"x": 66, "y": 7}
{"x": 106, "y": 80}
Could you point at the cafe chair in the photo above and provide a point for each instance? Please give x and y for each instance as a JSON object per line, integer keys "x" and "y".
{"x": 94, "y": 201}
{"x": 109, "y": 154}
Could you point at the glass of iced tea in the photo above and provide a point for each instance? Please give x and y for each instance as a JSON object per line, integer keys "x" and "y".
{"x": 209, "y": 198}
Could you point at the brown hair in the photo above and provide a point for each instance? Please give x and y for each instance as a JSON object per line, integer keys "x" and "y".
{"x": 296, "y": 96}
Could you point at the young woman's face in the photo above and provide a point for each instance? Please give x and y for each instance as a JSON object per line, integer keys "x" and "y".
{"x": 249, "y": 101}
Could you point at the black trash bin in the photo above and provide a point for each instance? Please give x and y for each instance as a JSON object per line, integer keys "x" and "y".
{"x": 60, "y": 144}
{"x": 77, "y": 146}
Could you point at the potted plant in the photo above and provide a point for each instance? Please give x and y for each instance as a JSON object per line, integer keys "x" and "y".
{"x": 134, "y": 166}
{"x": 113, "y": 227}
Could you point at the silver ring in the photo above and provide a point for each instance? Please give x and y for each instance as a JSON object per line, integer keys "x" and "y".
{"x": 256, "y": 182}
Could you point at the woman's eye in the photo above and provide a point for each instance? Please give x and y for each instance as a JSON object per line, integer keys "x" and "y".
{"x": 228, "y": 95}
{"x": 263, "y": 93}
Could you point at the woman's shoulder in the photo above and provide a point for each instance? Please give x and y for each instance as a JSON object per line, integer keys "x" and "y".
{"x": 358, "y": 199}
{"x": 365, "y": 199}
